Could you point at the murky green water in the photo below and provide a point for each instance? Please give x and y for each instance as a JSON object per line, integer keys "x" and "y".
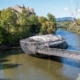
{"x": 16, "y": 65}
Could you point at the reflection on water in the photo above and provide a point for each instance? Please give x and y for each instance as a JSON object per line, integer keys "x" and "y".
{"x": 15, "y": 65}
{"x": 73, "y": 39}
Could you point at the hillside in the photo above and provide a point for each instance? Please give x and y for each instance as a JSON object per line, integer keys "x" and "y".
{"x": 64, "y": 19}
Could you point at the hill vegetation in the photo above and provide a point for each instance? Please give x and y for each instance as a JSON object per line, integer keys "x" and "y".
{"x": 70, "y": 25}
{"x": 20, "y": 22}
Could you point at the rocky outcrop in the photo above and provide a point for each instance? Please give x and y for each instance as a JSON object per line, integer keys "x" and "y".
{"x": 31, "y": 44}
{"x": 19, "y": 8}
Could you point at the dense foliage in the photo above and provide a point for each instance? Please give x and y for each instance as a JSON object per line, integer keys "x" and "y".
{"x": 48, "y": 25}
{"x": 73, "y": 26}
{"x": 18, "y": 25}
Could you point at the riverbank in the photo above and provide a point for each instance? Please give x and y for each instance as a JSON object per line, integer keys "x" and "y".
{"x": 5, "y": 46}
{"x": 72, "y": 39}
{"x": 69, "y": 26}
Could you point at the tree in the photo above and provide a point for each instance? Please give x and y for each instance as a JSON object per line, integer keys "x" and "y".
{"x": 16, "y": 25}
{"x": 8, "y": 19}
{"x": 3, "y": 35}
{"x": 24, "y": 24}
{"x": 34, "y": 23}
{"x": 42, "y": 19}
{"x": 52, "y": 19}
{"x": 48, "y": 25}
{"x": 78, "y": 21}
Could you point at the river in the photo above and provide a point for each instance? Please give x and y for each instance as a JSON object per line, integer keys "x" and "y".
{"x": 72, "y": 39}
{"x": 16, "y": 65}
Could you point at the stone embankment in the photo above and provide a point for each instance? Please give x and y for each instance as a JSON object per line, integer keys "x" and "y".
{"x": 59, "y": 52}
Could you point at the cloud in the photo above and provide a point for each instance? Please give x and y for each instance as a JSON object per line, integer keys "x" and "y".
{"x": 66, "y": 9}
{"x": 78, "y": 10}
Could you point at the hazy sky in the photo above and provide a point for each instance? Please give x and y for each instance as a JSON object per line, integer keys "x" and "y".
{"x": 59, "y": 8}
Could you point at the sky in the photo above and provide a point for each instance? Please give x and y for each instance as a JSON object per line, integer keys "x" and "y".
{"x": 59, "y": 8}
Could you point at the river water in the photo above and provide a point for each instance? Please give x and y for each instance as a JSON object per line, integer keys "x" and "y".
{"x": 16, "y": 65}
{"x": 72, "y": 39}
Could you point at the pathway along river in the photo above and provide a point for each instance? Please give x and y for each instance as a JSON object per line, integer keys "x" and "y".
{"x": 16, "y": 65}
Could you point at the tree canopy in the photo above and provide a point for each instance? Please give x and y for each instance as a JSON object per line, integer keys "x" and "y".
{"x": 18, "y": 25}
